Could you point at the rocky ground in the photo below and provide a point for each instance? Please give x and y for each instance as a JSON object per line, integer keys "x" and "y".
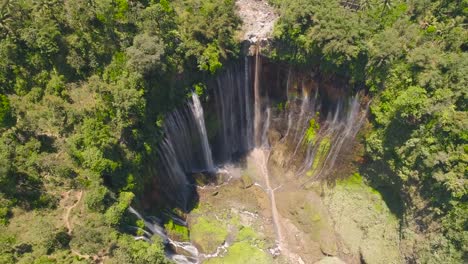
{"x": 346, "y": 223}
{"x": 258, "y": 17}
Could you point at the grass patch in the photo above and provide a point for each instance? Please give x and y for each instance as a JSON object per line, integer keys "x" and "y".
{"x": 246, "y": 233}
{"x": 208, "y": 234}
{"x": 354, "y": 180}
{"x": 242, "y": 252}
{"x": 177, "y": 232}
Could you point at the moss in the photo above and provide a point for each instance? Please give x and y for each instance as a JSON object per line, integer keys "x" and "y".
{"x": 356, "y": 183}
{"x": 246, "y": 181}
{"x": 235, "y": 220}
{"x": 177, "y": 232}
{"x": 202, "y": 179}
{"x": 242, "y": 252}
{"x": 246, "y": 233}
{"x": 353, "y": 180}
{"x": 208, "y": 234}
{"x": 311, "y": 131}
{"x": 320, "y": 155}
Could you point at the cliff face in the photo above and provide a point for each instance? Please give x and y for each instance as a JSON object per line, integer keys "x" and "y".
{"x": 282, "y": 138}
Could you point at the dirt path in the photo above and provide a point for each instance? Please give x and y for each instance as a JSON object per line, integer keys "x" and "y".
{"x": 68, "y": 223}
{"x": 261, "y": 157}
{"x": 68, "y": 210}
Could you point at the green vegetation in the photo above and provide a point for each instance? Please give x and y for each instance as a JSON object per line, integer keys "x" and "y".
{"x": 369, "y": 224}
{"x": 356, "y": 183}
{"x": 242, "y": 252}
{"x": 354, "y": 180}
{"x": 177, "y": 232}
{"x": 246, "y": 233}
{"x": 246, "y": 180}
{"x": 83, "y": 87}
{"x": 208, "y": 234}
{"x": 320, "y": 155}
{"x": 311, "y": 131}
{"x": 411, "y": 55}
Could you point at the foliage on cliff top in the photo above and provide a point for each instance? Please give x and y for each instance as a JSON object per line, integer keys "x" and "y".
{"x": 411, "y": 55}
{"x": 83, "y": 86}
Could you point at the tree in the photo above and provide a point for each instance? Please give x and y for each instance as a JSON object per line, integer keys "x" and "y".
{"x": 146, "y": 53}
{"x": 6, "y": 118}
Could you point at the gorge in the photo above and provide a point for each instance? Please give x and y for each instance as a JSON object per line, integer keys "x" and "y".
{"x": 233, "y": 132}
{"x": 273, "y": 128}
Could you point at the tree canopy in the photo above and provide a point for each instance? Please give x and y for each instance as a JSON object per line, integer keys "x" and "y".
{"x": 77, "y": 110}
{"x": 411, "y": 56}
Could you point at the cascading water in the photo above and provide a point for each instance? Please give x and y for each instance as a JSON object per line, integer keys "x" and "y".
{"x": 241, "y": 111}
{"x": 257, "y": 104}
{"x": 266, "y": 126}
{"x": 154, "y": 228}
{"x": 331, "y": 137}
{"x": 198, "y": 112}
{"x": 232, "y": 90}
{"x": 184, "y": 149}
{"x": 248, "y": 112}
{"x": 173, "y": 175}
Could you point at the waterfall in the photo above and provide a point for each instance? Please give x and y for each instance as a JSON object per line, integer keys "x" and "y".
{"x": 184, "y": 149}
{"x": 257, "y": 104}
{"x": 266, "y": 126}
{"x": 232, "y": 92}
{"x": 339, "y": 129}
{"x": 301, "y": 124}
{"x": 240, "y": 113}
{"x": 153, "y": 227}
{"x": 174, "y": 177}
{"x": 248, "y": 112}
{"x": 198, "y": 112}
{"x": 156, "y": 229}
{"x": 289, "y": 126}
{"x": 346, "y": 131}
{"x": 240, "y": 119}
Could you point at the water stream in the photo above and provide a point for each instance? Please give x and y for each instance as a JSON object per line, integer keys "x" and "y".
{"x": 199, "y": 116}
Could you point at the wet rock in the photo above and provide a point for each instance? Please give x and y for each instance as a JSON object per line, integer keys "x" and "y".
{"x": 328, "y": 247}
{"x": 310, "y": 217}
{"x": 181, "y": 251}
{"x": 274, "y": 136}
{"x": 204, "y": 178}
{"x": 247, "y": 181}
{"x": 222, "y": 177}
{"x": 275, "y": 252}
{"x": 330, "y": 260}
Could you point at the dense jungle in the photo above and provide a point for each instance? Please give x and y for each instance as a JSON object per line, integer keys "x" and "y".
{"x": 223, "y": 131}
